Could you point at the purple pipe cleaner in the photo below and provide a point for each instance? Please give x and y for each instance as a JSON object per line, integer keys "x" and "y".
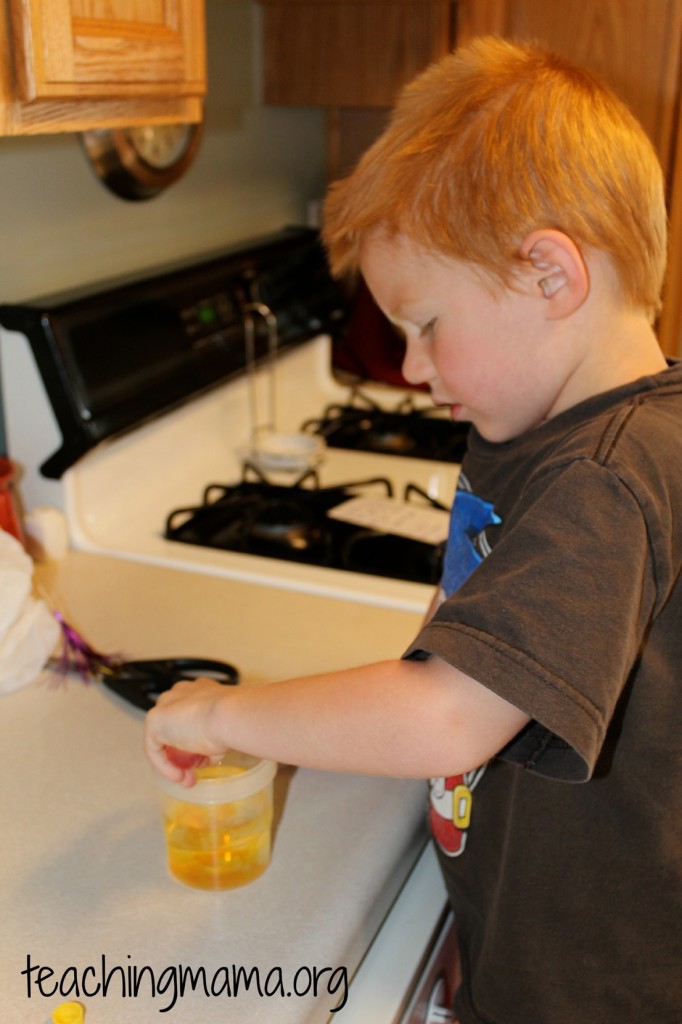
{"x": 78, "y": 656}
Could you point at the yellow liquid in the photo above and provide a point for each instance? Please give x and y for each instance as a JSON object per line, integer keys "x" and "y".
{"x": 218, "y": 846}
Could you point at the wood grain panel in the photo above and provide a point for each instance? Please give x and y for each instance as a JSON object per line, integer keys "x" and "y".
{"x": 75, "y": 49}
{"x": 351, "y": 53}
{"x": 634, "y": 45}
{"x": 125, "y": 102}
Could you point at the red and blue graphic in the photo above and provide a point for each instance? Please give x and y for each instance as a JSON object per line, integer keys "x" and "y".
{"x": 450, "y": 799}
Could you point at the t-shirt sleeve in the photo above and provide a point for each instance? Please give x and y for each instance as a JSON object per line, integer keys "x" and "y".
{"x": 553, "y": 619}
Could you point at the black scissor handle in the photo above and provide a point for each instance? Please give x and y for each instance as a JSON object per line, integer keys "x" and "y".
{"x": 142, "y": 682}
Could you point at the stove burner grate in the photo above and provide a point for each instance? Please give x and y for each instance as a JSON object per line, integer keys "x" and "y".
{"x": 363, "y": 425}
{"x": 257, "y": 517}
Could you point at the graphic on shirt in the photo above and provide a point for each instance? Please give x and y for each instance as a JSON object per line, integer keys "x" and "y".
{"x": 450, "y": 799}
{"x": 467, "y": 546}
{"x": 450, "y": 802}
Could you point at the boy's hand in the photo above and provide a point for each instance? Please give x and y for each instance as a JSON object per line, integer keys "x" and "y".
{"x": 177, "y": 735}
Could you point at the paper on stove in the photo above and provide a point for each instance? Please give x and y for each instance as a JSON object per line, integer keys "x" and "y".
{"x": 390, "y": 515}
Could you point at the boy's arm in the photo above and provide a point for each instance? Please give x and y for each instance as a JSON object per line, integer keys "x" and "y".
{"x": 416, "y": 719}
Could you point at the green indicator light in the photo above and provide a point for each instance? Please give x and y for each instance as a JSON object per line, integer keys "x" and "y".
{"x": 207, "y": 315}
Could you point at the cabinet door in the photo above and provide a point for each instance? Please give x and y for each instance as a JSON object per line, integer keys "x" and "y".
{"x": 76, "y": 49}
{"x": 350, "y": 53}
{"x": 634, "y": 45}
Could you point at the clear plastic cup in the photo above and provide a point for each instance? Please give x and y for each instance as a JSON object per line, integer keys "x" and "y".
{"x": 218, "y": 832}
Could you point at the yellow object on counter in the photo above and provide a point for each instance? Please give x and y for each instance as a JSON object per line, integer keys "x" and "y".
{"x": 68, "y": 1013}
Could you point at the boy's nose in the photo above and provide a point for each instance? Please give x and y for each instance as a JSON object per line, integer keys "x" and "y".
{"x": 416, "y": 368}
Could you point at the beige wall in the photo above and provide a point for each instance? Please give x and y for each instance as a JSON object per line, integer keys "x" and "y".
{"x": 256, "y": 171}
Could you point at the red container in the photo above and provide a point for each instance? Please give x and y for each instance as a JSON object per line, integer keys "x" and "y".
{"x": 10, "y": 520}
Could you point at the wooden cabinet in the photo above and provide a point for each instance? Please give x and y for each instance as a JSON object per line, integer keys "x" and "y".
{"x": 634, "y": 45}
{"x": 353, "y": 56}
{"x": 75, "y": 64}
{"x": 350, "y": 53}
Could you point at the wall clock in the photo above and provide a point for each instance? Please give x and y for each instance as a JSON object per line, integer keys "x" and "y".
{"x": 138, "y": 163}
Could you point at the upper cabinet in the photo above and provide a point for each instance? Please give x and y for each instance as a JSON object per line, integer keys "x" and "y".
{"x": 350, "y": 53}
{"x": 76, "y": 64}
{"x": 353, "y": 56}
{"x": 634, "y": 45}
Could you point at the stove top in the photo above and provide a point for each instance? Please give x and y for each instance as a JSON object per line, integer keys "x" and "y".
{"x": 116, "y": 499}
{"x": 295, "y": 522}
{"x": 404, "y": 428}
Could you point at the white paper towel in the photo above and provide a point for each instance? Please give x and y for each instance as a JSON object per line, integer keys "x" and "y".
{"x": 15, "y": 580}
{"x": 28, "y": 631}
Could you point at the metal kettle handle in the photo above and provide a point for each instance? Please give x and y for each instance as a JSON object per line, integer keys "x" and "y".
{"x": 251, "y": 310}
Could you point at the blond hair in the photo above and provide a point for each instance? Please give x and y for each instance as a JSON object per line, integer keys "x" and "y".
{"x": 497, "y": 140}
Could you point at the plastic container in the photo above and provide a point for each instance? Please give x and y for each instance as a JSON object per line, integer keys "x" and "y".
{"x": 10, "y": 520}
{"x": 219, "y": 831}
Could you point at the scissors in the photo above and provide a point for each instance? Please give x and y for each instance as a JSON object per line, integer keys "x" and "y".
{"x": 142, "y": 682}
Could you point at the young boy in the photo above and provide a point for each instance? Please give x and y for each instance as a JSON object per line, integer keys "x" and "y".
{"x": 511, "y": 222}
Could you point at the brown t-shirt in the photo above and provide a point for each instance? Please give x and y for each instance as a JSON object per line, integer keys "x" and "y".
{"x": 569, "y": 896}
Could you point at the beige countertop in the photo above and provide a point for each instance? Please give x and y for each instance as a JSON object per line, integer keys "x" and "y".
{"x": 267, "y": 632}
{"x": 84, "y": 889}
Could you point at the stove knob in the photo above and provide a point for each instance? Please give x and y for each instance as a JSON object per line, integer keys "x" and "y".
{"x": 435, "y": 1012}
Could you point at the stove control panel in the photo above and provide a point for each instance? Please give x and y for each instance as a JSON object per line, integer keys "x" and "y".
{"x": 112, "y": 358}
{"x": 211, "y": 315}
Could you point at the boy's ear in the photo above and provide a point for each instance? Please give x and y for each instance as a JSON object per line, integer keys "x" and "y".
{"x": 556, "y": 271}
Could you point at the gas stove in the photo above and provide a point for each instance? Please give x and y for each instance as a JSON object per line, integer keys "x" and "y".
{"x": 142, "y": 405}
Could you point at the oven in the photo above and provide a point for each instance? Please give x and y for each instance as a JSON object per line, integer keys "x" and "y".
{"x": 193, "y": 418}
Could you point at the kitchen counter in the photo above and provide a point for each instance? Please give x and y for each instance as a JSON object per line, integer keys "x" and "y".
{"x": 85, "y": 892}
